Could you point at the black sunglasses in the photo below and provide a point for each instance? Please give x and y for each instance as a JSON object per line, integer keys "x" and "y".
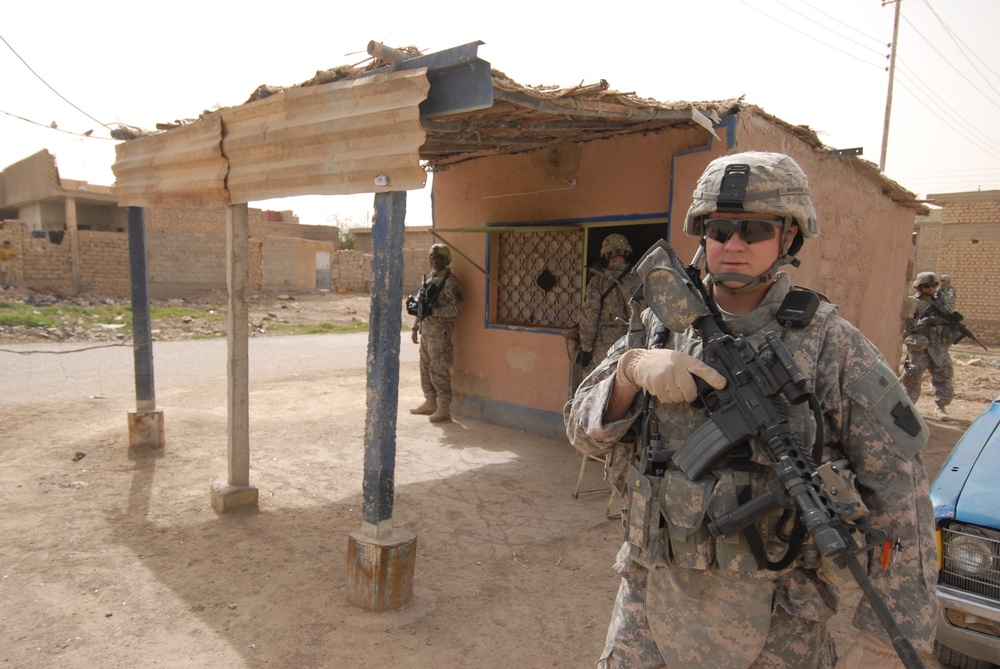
{"x": 752, "y": 230}
{"x": 435, "y": 256}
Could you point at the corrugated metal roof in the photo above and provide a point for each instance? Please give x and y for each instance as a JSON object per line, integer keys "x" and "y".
{"x": 350, "y": 136}
{"x": 352, "y": 122}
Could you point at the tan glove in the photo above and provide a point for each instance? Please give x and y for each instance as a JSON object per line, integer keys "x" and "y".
{"x": 666, "y": 374}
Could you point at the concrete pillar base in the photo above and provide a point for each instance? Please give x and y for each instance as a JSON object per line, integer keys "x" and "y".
{"x": 380, "y": 571}
{"x": 145, "y": 429}
{"x": 226, "y": 498}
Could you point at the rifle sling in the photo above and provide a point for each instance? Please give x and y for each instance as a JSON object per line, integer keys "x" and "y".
{"x": 754, "y": 541}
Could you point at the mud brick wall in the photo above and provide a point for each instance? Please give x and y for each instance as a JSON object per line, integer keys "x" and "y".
{"x": 416, "y": 246}
{"x": 351, "y": 271}
{"x": 16, "y": 233}
{"x": 289, "y": 264}
{"x": 104, "y": 265}
{"x": 968, "y": 251}
{"x": 185, "y": 263}
{"x": 46, "y": 266}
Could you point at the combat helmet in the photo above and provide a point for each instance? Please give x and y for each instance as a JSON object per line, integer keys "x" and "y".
{"x": 443, "y": 251}
{"x": 614, "y": 245}
{"x": 925, "y": 279}
{"x": 756, "y": 181}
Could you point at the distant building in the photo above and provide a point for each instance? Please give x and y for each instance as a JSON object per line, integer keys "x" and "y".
{"x": 964, "y": 243}
{"x": 70, "y": 237}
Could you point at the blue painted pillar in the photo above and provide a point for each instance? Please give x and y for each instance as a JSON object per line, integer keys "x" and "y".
{"x": 142, "y": 333}
{"x": 384, "y": 326}
{"x": 145, "y": 424}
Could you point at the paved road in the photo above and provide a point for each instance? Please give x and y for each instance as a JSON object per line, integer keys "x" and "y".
{"x": 30, "y": 373}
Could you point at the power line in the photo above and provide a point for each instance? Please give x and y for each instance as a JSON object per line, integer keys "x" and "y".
{"x": 881, "y": 67}
{"x": 950, "y": 125}
{"x": 971, "y": 170}
{"x": 867, "y": 48}
{"x": 63, "y": 98}
{"x": 846, "y": 25}
{"x": 939, "y": 102}
{"x": 50, "y": 126}
{"x": 945, "y": 59}
{"x": 961, "y": 47}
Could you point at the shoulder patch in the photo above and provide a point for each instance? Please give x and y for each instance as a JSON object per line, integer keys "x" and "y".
{"x": 906, "y": 418}
{"x": 890, "y": 411}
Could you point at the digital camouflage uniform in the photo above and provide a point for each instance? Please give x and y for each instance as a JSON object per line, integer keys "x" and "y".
{"x": 927, "y": 342}
{"x": 436, "y": 350}
{"x": 946, "y": 295}
{"x": 689, "y": 600}
{"x": 602, "y": 323}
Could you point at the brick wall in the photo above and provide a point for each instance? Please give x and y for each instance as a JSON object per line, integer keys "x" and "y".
{"x": 416, "y": 244}
{"x": 968, "y": 250}
{"x": 186, "y": 256}
{"x": 351, "y": 270}
{"x": 46, "y": 266}
{"x": 104, "y": 264}
{"x": 289, "y": 265}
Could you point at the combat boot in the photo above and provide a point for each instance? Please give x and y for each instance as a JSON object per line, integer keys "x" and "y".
{"x": 441, "y": 414}
{"x": 941, "y": 414}
{"x": 427, "y": 408}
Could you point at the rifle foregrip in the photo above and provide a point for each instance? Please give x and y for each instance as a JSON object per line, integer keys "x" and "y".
{"x": 756, "y": 510}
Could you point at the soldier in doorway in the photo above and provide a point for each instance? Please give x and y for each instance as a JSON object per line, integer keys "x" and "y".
{"x": 606, "y": 305}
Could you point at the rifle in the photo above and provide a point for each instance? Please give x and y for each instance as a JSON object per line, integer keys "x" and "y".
{"x": 952, "y": 319}
{"x": 421, "y": 305}
{"x": 748, "y": 408}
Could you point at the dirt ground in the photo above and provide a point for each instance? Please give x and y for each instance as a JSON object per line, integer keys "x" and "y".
{"x": 116, "y": 559}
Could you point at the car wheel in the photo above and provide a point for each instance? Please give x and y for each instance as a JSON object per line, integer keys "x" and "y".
{"x": 952, "y": 658}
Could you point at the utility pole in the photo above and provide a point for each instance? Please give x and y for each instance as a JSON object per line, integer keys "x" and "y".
{"x": 888, "y": 97}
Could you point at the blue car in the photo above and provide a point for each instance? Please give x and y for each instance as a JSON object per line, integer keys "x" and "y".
{"x": 966, "y": 498}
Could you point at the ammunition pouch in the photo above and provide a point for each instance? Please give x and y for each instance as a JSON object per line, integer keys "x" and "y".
{"x": 915, "y": 343}
{"x": 642, "y": 519}
{"x": 666, "y": 519}
{"x": 685, "y": 503}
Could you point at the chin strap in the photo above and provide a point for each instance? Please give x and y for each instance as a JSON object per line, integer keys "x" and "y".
{"x": 751, "y": 283}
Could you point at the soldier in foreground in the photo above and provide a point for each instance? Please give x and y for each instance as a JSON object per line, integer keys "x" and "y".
{"x": 605, "y": 314}
{"x": 439, "y": 302}
{"x": 761, "y": 597}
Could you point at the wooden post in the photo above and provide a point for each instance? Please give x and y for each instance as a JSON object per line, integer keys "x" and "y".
{"x": 888, "y": 95}
{"x": 72, "y": 232}
{"x": 237, "y": 493}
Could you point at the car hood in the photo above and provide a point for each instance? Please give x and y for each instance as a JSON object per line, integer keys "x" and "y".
{"x": 966, "y": 487}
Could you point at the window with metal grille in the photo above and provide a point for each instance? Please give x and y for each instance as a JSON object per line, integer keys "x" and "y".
{"x": 971, "y": 559}
{"x": 540, "y": 278}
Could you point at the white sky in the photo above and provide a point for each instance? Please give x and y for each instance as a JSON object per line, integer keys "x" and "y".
{"x": 810, "y": 62}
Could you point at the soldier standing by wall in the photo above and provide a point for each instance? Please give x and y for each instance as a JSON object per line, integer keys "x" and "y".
{"x": 605, "y": 314}
{"x": 443, "y": 300}
{"x": 927, "y": 342}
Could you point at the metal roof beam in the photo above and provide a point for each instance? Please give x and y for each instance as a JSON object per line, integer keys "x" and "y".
{"x": 460, "y": 81}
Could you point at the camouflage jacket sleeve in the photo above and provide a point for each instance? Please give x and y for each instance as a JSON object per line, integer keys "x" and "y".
{"x": 449, "y": 299}
{"x": 584, "y": 413}
{"x": 590, "y": 315}
{"x": 868, "y": 419}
